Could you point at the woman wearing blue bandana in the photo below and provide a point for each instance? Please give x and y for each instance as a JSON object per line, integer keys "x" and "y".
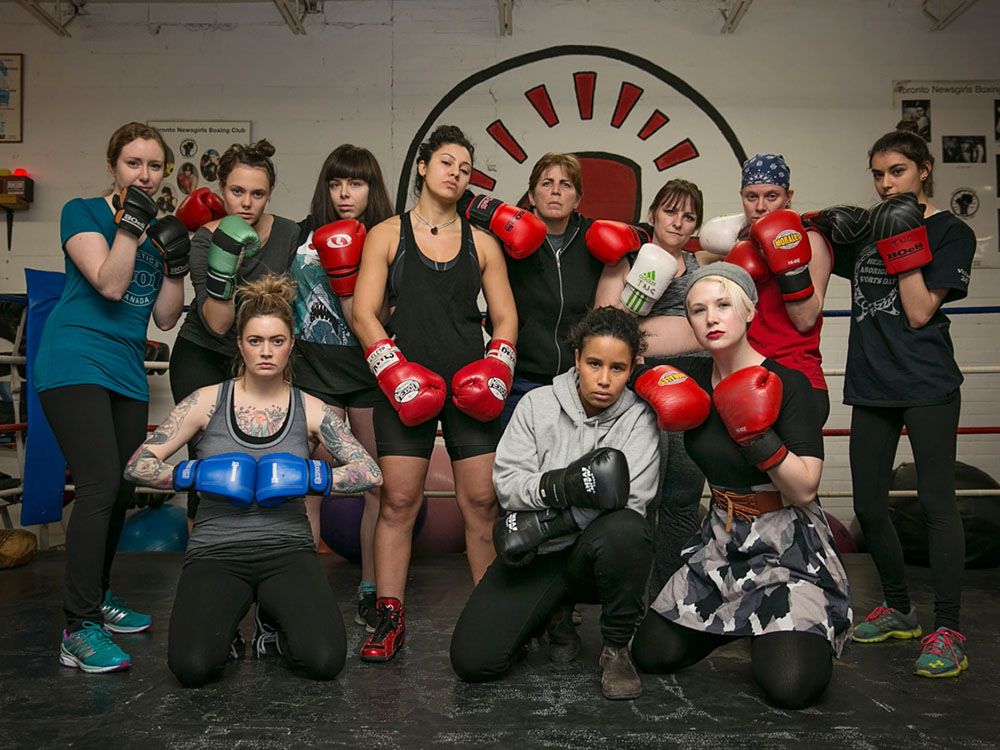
{"x": 789, "y": 264}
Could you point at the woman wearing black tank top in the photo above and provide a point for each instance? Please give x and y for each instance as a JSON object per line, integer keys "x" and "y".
{"x": 431, "y": 265}
{"x": 251, "y": 538}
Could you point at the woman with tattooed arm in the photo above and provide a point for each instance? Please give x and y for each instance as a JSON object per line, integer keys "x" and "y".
{"x": 251, "y": 438}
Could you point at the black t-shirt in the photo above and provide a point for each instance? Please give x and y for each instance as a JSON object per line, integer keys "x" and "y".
{"x": 890, "y": 363}
{"x": 718, "y": 455}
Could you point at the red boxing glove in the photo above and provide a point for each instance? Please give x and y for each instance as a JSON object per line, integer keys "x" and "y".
{"x": 900, "y": 234}
{"x": 749, "y": 402}
{"x": 746, "y": 255}
{"x": 610, "y": 241}
{"x": 679, "y": 402}
{"x": 199, "y": 208}
{"x": 782, "y": 239}
{"x": 520, "y": 232}
{"x": 416, "y": 393}
{"x": 338, "y": 245}
{"x": 480, "y": 388}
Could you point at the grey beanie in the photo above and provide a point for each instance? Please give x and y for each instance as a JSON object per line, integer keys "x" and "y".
{"x": 730, "y": 271}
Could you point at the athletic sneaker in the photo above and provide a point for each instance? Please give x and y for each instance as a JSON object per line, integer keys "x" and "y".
{"x": 238, "y": 646}
{"x": 91, "y": 649}
{"x": 390, "y": 631}
{"x": 943, "y": 656}
{"x": 266, "y": 641}
{"x": 366, "y": 609}
{"x": 119, "y": 618}
{"x": 885, "y": 622}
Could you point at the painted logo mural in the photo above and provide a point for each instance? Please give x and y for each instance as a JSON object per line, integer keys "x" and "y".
{"x": 633, "y": 124}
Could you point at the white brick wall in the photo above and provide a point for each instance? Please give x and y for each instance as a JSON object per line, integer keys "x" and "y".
{"x": 811, "y": 79}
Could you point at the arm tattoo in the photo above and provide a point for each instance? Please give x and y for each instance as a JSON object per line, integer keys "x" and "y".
{"x": 358, "y": 471}
{"x": 173, "y": 421}
{"x": 147, "y": 470}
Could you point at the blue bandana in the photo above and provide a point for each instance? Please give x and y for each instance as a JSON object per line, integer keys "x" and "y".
{"x": 766, "y": 169}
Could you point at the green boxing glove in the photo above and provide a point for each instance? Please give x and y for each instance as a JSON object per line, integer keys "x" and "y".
{"x": 232, "y": 241}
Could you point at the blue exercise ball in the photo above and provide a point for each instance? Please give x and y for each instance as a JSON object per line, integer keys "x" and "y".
{"x": 162, "y": 529}
{"x": 340, "y": 524}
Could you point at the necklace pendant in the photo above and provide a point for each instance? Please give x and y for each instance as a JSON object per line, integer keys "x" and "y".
{"x": 434, "y": 230}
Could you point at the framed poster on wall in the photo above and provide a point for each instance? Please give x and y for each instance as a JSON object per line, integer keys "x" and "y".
{"x": 961, "y": 122}
{"x": 11, "y": 107}
{"x": 194, "y": 159}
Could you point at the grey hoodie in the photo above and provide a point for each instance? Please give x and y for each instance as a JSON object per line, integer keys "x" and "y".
{"x": 549, "y": 429}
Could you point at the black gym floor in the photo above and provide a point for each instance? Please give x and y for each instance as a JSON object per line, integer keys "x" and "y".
{"x": 416, "y": 701}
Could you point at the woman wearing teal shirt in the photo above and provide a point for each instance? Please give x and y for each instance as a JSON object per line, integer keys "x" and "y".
{"x": 90, "y": 378}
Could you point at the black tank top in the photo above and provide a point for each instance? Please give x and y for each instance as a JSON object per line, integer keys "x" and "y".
{"x": 436, "y": 321}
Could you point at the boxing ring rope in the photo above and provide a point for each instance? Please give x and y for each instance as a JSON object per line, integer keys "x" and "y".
{"x": 20, "y": 427}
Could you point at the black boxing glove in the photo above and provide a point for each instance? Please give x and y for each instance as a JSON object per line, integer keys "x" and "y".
{"x": 598, "y": 479}
{"x": 518, "y": 536}
{"x": 170, "y": 237}
{"x": 134, "y": 209}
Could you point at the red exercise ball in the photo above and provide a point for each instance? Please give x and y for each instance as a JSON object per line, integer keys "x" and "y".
{"x": 842, "y": 538}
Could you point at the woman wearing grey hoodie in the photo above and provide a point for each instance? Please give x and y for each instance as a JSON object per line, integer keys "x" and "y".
{"x": 575, "y": 469}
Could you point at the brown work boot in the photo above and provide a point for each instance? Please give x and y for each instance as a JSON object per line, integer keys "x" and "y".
{"x": 564, "y": 641}
{"x": 619, "y": 680}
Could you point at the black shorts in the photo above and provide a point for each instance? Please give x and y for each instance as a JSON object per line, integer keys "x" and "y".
{"x": 337, "y": 375}
{"x": 363, "y": 398}
{"x": 464, "y": 436}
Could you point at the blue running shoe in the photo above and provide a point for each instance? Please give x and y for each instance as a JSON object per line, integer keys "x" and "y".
{"x": 91, "y": 649}
{"x": 119, "y": 618}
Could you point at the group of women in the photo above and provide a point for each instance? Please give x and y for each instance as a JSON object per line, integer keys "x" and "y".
{"x": 718, "y": 379}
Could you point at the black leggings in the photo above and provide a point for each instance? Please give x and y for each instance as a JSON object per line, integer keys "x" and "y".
{"x": 608, "y": 564}
{"x": 932, "y": 431}
{"x": 677, "y": 514}
{"x": 192, "y": 366}
{"x": 793, "y": 669}
{"x": 98, "y": 431}
{"x": 214, "y": 595}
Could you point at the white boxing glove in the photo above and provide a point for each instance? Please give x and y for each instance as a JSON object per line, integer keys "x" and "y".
{"x": 651, "y": 274}
{"x": 718, "y": 235}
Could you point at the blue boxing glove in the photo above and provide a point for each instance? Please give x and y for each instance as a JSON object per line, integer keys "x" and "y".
{"x": 282, "y": 477}
{"x": 228, "y": 476}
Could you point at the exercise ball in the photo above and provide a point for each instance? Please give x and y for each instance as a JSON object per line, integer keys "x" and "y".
{"x": 842, "y": 538}
{"x": 162, "y": 529}
{"x": 859, "y": 536}
{"x": 980, "y": 517}
{"x": 340, "y": 524}
{"x": 444, "y": 532}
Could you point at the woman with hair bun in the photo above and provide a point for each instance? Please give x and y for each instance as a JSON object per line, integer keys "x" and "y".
{"x": 428, "y": 266}
{"x": 244, "y": 245}
{"x": 251, "y": 438}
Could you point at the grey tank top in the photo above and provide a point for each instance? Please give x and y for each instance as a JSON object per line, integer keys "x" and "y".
{"x": 223, "y": 531}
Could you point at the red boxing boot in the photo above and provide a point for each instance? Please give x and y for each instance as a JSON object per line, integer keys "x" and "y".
{"x": 390, "y": 631}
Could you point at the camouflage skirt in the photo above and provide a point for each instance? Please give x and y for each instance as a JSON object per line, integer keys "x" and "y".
{"x": 778, "y": 573}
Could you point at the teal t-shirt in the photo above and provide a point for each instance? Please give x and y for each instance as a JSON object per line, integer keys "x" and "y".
{"x": 89, "y": 339}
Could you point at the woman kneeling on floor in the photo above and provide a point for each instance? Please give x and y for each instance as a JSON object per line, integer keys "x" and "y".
{"x": 575, "y": 469}
{"x": 251, "y": 438}
{"x": 764, "y": 565}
